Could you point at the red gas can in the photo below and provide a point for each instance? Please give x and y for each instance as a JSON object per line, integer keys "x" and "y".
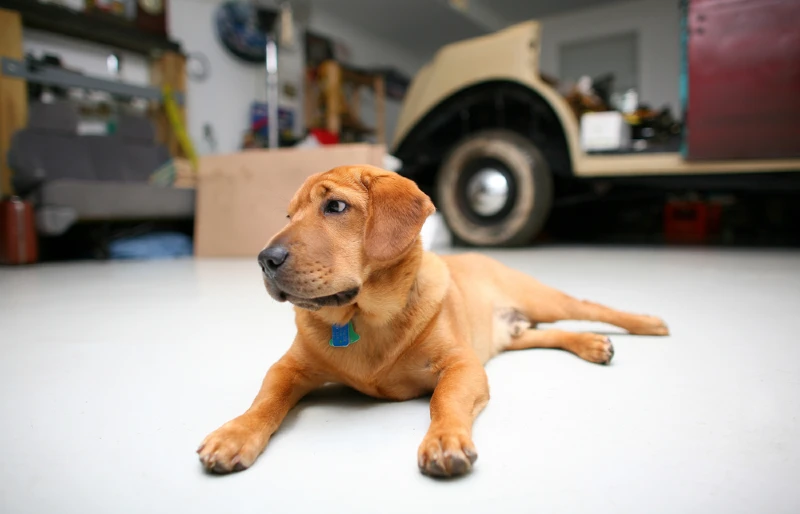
{"x": 18, "y": 242}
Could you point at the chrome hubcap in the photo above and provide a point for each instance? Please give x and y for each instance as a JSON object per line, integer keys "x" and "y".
{"x": 487, "y": 192}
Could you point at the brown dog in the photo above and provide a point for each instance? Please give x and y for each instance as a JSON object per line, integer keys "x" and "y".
{"x": 351, "y": 257}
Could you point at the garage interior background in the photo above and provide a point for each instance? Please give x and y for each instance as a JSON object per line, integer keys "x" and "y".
{"x": 639, "y": 42}
{"x": 133, "y": 315}
{"x": 383, "y": 34}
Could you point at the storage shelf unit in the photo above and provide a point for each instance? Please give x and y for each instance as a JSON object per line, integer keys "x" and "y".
{"x": 167, "y": 67}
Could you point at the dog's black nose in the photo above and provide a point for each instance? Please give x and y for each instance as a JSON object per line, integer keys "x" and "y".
{"x": 271, "y": 258}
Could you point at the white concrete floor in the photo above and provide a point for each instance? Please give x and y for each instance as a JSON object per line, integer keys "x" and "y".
{"x": 111, "y": 374}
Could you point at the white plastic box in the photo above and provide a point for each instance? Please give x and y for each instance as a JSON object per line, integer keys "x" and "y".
{"x": 604, "y": 131}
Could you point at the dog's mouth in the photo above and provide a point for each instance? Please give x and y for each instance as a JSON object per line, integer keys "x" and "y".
{"x": 331, "y": 300}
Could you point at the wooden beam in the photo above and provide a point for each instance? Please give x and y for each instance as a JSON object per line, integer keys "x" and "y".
{"x": 331, "y": 75}
{"x": 13, "y": 94}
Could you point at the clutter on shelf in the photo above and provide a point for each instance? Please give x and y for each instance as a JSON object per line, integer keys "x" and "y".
{"x": 257, "y": 135}
{"x": 147, "y": 15}
{"x": 333, "y": 101}
{"x": 620, "y": 123}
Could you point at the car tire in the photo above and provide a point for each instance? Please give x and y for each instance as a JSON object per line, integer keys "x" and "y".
{"x": 470, "y": 187}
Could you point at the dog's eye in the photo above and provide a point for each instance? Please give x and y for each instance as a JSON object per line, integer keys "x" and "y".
{"x": 335, "y": 207}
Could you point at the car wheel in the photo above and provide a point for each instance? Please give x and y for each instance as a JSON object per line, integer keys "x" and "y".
{"x": 495, "y": 189}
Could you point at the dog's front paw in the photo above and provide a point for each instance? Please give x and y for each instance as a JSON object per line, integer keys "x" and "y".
{"x": 234, "y": 446}
{"x": 446, "y": 453}
{"x": 595, "y": 348}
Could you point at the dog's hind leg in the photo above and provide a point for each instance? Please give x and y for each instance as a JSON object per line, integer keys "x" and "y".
{"x": 543, "y": 304}
{"x": 591, "y": 347}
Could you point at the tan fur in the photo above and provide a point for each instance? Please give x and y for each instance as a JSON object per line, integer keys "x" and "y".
{"x": 427, "y": 324}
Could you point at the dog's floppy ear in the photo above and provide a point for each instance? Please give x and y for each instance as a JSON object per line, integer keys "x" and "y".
{"x": 397, "y": 211}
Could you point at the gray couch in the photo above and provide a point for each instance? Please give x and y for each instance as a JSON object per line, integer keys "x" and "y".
{"x": 91, "y": 178}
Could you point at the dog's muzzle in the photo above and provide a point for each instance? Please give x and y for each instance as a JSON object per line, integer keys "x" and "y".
{"x": 315, "y": 303}
{"x": 283, "y": 292}
{"x": 277, "y": 278}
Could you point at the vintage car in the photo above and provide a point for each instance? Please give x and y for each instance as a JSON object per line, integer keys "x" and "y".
{"x": 487, "y": 136}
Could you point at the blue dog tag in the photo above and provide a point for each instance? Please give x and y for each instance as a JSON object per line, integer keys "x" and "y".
{"x": 343, "y": 335}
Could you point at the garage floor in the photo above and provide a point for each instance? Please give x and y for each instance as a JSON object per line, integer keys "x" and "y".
{"x": 111, "y": 374}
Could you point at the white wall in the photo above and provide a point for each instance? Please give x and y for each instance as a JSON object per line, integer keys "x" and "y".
{"x": 224, "y": 99}
{"x": 657, "y": 23}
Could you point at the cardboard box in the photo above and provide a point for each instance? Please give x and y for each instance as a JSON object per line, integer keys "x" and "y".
{"x": 242, "y": 197}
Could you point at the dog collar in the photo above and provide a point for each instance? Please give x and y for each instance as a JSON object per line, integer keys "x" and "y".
{"x": 343, "y": 335}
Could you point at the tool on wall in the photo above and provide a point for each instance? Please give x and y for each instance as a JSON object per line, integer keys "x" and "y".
{"x": 246, "y": 29}
{"x": 266, "y": 22}
{"x": 285, "y": 39}
{"x": 254, "y": 31}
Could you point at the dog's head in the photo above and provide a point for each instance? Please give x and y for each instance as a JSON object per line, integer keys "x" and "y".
{"x": 343, "y": 225}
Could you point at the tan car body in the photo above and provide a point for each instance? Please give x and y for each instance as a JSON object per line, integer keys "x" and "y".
{"x": 512, "y": 55}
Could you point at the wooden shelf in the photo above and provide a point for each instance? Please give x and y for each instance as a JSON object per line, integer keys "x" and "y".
{"x": 99, "y": 28}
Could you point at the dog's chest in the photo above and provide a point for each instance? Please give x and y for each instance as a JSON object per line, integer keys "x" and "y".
{"x": 374, "y": 367}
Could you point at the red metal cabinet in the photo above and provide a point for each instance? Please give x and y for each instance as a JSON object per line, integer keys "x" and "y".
{"x": 744, "y": 79}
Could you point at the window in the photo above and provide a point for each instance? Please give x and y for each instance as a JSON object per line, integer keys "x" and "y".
{"x": 616, "y": 54}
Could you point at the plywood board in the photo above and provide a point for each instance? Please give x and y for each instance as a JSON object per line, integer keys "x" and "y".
{"x": 242, "y": 197}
